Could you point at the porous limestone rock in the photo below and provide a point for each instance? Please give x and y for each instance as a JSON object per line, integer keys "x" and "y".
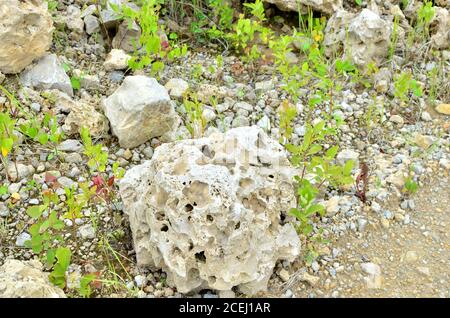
{"x": 139, "y": 110}
{"x": 366, "y": 40}
{"x": 325, "y": 6}
{"x": 335, "y": 32}
{"x": 440, "y": 28}
{"x": 20, "y": 279}
{"x": 211, "y": 212}
{"x": 48, "y": 73}
{"x": 25, "y": 33}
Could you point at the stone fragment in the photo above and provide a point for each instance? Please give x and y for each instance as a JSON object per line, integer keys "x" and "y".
{"x": 48, "y": 73}
{"x": 25, "y": 33}
{"x": 139, "y": 110}
{"x": 20, "y": 279}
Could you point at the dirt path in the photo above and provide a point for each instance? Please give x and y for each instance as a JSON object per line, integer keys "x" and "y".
{"x": 392, "y": 259}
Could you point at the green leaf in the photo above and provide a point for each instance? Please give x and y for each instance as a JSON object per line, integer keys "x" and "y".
{"x": 63, "y": 255}
{"x": 331, "y": 153}
{"x": 315, "y": 208}
{"x": 314, "y": 149}
{"x": 348, "y": 167}
{"x": 35, "y": 211}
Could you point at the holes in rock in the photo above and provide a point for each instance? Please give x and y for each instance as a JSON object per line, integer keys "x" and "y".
{"x": 191, "y": 246}
{"x": 246, "y": 182}
{"x": 193, "y": 273}
{"x": 282, "y": 218}
{"x": 188, "y": 208}
{"x": 254, "y": 204}
{"x": 271, "y": 176}
{"x": 237, "y": 226}
{"x": 198, "y": 193}
{"x": 207, "y": 151}
{"x": 160, "y": 216}
{"x": 210, "y": 218}
{"x": 200, "y": 257}
{"x": 164, "y": 228}
{"x": 212, "y": 279}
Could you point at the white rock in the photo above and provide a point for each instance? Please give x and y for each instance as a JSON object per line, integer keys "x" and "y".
{"x": 127, "y": 39}
{"x": 374, "y": 278}
{"x": 70, "y": 145}
{"x": 284, "y": 275}
{"x": 20, "y": 279}
{"x": 22, "y": 238}
{"x": 209, "y": 114}
{"x": 47, "y": 74}
{"x": 347, "y": 154}
{"x": 92, "y": 24}
{"x": 139, "y": 110}
{"x": 4, "y": 210}
{"x": 116, "y": 60}
{"x": 207, "y": 211}
{"x": 140, "y": 281}
{"x": 325, "y": 6}
{"x": 310, "y": 279}
{"x": 441, "y": 28}
{"x": 177, "y": 87}
{"x": 426, "y": 116}
{"x": 25, "y": 33}
{"x": 371, "y": 268}
{"x": 67, "y": 182}
{"x": 73, "y": 19}
{"x": 332, "y": 206}
{"x": 264, "y": 123}
{"x": 86, "y": 232}
{"x": 19, "y": 171}
{"x": 365, "y": 37}
{"x": 264, "y": 86}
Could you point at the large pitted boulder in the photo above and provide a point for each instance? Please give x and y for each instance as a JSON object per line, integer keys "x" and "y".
{"x": 139, "y": 110}
{"x": 325, "y": 6}
{"x": 366, "y": 40}
{"x": 26, "y": 280}
{"x": 25, "y": 33}
{"x": 211, "y": 212}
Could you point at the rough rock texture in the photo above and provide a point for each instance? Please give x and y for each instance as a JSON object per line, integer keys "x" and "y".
{"x": 367, "y": 40}
{"x": 26, "y": 280}
{"x": 80, "y": 114}
{"x": 116, "y": 60}
{"x": 177, "y": 87}
{"x": 335, "y": 32}
{"x": 48, "y": 73}
{"x": 127, "y": 39}
{"x": 139, "y": 110}
{"x": 325, "y": 6}
{"x": 25, "y": 33}
{"x": 440, "y": 29}
{"x": 211, "y": 212}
